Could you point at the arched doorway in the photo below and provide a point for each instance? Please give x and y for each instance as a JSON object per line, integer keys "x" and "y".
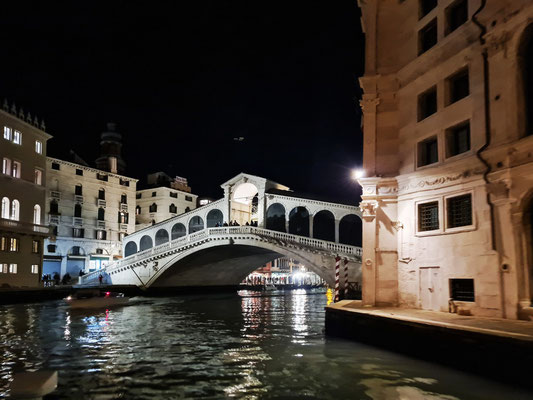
{"x": 161, "y": 237}
{"x": 324, "y": 226}
{"x": 196, "y": 224}
{"x": 242, "y": 203}
{"x": 178, "y": 230}
{"x": 130, "y": 248}
{"x": 214, "y": 218}
{"x": 145, "y": 243}
{"x": 299, "y": 221}
{"x": 350, "y": 230}
{"x": 275, "y": 217}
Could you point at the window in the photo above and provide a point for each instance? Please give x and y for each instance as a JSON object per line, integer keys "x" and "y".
{"x": 121, "y": 236}
{"x": 54, "y": 208}
{"x": 5, "y": 208}
{"x": 17, "y": 137}
{"x": 462, "y": 289}
{"x": 153, "y": 208}
{"x": 77, "y": 232}
{"x": 101, "y": 235}
{"x": 16, "y": 169}
{"x": 458, "y": 139}
{"x": 173, "y": 209}
{"x": 124, "y": 182}
{"x": 15, "y": 210}
{"x": 458, "y": 86}
{"x": 188, "y": 198}
{"x": 76, "y": 251}
{"x": 154, "y": 194}
{"x": 122, "y": 217}
{"x": 77, "y": 210}
{"x": 38, "y": 147}
{"x": 456, "y": 15}
{"x": 427, "y": 103}
{"x": 137, "y": 210}
{"x": 6, "y": 166}
{"x": 428, "y": 152}
{"x": 427, "y": 37}
{"x": 187, "y": 209}
{"x": 79, "y": 172}
{"x": 7, "y": 133}
{"x": 38, "y": 177}
{"x": 123, "y": 199}
{"x": 99, "y": 251}
{"x": 174, "y": 195}
{"x": 3, "y": 268}
{"x": 37, "y": 214}
{"x": 35, "y": 246}
{"x": 459, "y": 211}
{"x": 55, "y": 166}
{"x": 13, "y": 244}
{"x": 78, "y": 190}
{"x": 102, "y": 177}
{"x": 3, "y": 243}
{"x": 138, "y": 195}
{"x": 12, "y": 268}
{"x": 101, "y": 214}
{"x": 51, "y": 248}
{"x": 428, "y": 216}
{"x": 426, "y": 6}
{"x": 34, "y": 269}
{"x": 54, "y": 230}
{"x": 101, "y": 194}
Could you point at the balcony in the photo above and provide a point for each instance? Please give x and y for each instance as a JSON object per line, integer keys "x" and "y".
{"x": 100, "y": 224}
{"x": 123, "y": 227}
{"x": 77, "y": 221}
{"x": 101, "y": 203}
{"x": 24, "y": 227}
{"x": 54, "y": 219}
{"x": 78, "y": 199}
{"x": 123, "y": 207}
{"x": 55, "y": 195}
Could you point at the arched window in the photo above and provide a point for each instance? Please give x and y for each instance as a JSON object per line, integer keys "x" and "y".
{"x": 146, "y": 243}
{"x": 172, "y": 208}
{"x": 5, "y": 208}
{"x": 101, "y": 214}
{"x": 137, "y": 210}
{"x": 324, "y": 226}
{"x": 187, "y": 209}
{"x": 275, "y": 217}
{"x": 131, "y": 248}
{"x": 214, "y": 218}
{"x": 153, "y": 207}
{"x": 54, "y": 208}
{"x": 161, "y": 237}
{"x": 178, "y": 230}
{"x": 101, "y": 194}
{"x": 299, "y": 221}
{"x": 122, "y": 217}
{"x": 351, "y": 230}
{"x": 196, "y": 224}
{"x": 77, "y": 210}
{"x": 15, "y": 210}
{"x": 37, "y": 214}
{"x": 78, "y": 190}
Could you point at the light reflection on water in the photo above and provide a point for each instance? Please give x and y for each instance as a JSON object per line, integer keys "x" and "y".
{"x": 247, "y": 346}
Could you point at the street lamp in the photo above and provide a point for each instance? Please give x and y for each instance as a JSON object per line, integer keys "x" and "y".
{"x": 357, "y": 173}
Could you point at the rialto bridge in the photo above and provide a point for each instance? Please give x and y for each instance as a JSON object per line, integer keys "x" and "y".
{"x": 220, "y": 243}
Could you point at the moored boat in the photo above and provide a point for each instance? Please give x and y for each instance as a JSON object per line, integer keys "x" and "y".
{"x": 96, "y": 299}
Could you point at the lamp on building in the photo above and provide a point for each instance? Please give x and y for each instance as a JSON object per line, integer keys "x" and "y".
{"x": 358, "y": 173}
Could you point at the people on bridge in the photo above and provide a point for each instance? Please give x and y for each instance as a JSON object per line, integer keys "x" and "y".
{"x": 247, "y": 224}
{"x": 225, "y": 224}
{"x": 100, "y": 279}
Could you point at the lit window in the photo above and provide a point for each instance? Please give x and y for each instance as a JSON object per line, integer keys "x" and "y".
{"x": 35, "y": 246}
{"x": 459, "y": 211}
{"x": 12, "y": 268}
{"x": 38, "y": 177}
{"x": 7, "y": 133}
{"x": 78, "y": 232}
{"x": 15, "y": 210}
{"x": 6, "y": 166}
{"x": 5, "y": 208}
{"x": 13, "y": 244}
{"x": 34, "y": 269}
{"x": 37, "y": 214}
{"x": 428, "y": 152}
{"x": 39, "y": 147}
{"x": 101, "y": 235}
{"x": 15, "y": 172}
{"x": 3, "y": 243}
{"x": 3, "y": 268}
{"x": 458, "y": 139}
{"x": 17, "y": 137}
{"x": 428, "y": 216}
{"x": 137, "y": 210}
{"x": 121, "y": 236}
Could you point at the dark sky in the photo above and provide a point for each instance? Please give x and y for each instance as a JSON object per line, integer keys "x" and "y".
{"x": 182, "y": 79}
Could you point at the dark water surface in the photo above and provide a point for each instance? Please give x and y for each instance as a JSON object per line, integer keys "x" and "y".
{"x": 244, "y": 346}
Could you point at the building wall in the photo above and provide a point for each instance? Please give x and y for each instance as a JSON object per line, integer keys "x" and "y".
{"x": 29, "y": 194}
{"x": 61, "y": 183}
{"x": 183, "y": 201}
{"x": 403, "y": 265}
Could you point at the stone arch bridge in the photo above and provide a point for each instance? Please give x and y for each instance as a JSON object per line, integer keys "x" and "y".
{"x": 268, "y": 221}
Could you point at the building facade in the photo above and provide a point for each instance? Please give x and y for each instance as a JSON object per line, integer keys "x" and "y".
{"x": 448, "y": 144}
{"x": 89, "y": 210}
{"x": 22, "y": 195}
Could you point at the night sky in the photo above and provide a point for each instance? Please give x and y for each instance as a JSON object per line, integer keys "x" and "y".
{"x": 182, "y": 79}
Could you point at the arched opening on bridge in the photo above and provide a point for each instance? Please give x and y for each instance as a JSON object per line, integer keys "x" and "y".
{"x": 350, "y": 230}
{"x": 130, "y": 248}
{"x": 299, "y": 221}
{"x": 275, "y": 217}
{"x": 196, "y": 224}
{"x": 145, "y": 243}
{"x": 214, "y": 218}
{"x": 324, "y": 226}
{"x": 178, "y": 230}
{"x": 242, "y": 204}
{"x": 161, "y": 237}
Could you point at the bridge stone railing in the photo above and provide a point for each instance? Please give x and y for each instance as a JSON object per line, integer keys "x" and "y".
{"x": 282, "y": 238}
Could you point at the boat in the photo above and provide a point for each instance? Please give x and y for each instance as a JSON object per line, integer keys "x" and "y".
{"x": 96, "y": 299}
{"x": 270, "y": 286}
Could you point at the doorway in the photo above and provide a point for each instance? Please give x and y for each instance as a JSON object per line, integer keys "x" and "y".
{"x": 429, "y": 288}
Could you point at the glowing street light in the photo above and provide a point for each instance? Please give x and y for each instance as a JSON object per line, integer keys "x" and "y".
{"x": 357, "y": 173}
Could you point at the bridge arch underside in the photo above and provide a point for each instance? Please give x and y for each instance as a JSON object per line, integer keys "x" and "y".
{"x": 225, "y": 264}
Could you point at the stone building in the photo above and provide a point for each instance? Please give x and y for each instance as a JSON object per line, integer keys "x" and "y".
{"x": 22, "y": 195}
{"x": 89, "y": 210}
{"x": 163, "y": 199}
{"x": 448, "y": 123}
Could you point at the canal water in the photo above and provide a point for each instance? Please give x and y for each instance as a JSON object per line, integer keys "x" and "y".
{"x": 246, "y": 346}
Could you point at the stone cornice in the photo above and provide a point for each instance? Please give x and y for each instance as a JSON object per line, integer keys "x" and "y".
{"x": 85, "y": 168}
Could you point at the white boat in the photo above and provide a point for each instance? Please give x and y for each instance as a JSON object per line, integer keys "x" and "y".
{"x": 96, "y": 300}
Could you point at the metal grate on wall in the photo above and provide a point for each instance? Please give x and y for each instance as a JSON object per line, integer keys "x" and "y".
{"x": 428, "y": 216}
{"x": 462, "y": 289}
{"x": 459, "y": 210}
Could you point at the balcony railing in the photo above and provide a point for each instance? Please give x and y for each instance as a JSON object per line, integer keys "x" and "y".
{"x": 78, "y": 199}
{"x": 77, "y": 221}
{"x": 54, "y": 219}
{"x": 101, "y": 203}
{"x": 24, "y": 227}
{"x": 100, "y": 224}
{"x": 123, "y": 207}
{"x": 55, "y": 195}
{"x": 123, "y": 227}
